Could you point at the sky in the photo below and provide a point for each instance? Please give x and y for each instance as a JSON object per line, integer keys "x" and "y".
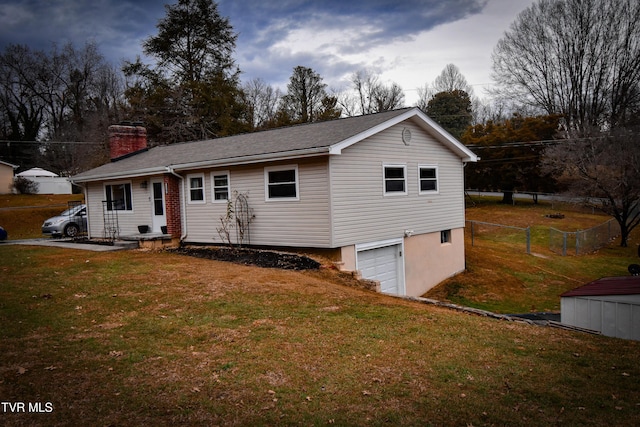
{"x": 408, "y": 42}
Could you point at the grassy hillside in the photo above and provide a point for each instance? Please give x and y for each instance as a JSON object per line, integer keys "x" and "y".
{"x": 22, "y": 215}
{"x": 501, "y": 277}
{"x": 147, "y": 338}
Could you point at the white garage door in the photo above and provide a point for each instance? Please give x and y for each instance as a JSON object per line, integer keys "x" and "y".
{"x": 383, "y": 265}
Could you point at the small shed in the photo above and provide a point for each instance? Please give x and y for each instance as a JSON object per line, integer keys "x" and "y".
{"x": 610, "y": 305}
{"x": 48, "y": 182}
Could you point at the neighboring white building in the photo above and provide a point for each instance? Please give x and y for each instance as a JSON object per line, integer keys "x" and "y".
{"x": 382, "y": 193}
{"x": 48, "y": 182}
{"x": 610, "y": 305}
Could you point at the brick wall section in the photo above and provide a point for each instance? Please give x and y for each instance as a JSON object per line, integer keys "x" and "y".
{"x": 125, "y": 140}
{"x": 172, "y": 201}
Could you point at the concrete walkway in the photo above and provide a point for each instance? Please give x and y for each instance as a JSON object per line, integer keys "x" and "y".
{"x": 69, "y": 244}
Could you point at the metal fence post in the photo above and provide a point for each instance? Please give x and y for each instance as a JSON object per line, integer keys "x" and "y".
{"x": 529, "y": 240}
{"x": 564, "y": 243}
{"x": 472, "y": 235}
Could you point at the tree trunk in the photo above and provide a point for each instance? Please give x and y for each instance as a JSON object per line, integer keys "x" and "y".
{"x": 507, "y": 197}
{"x": 624, "y": 235}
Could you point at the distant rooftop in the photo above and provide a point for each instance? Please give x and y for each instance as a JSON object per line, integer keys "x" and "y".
{"x": 37, "y": 172}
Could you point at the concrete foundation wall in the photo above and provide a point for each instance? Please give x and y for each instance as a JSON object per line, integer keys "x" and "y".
{"x": 429, "y": 262}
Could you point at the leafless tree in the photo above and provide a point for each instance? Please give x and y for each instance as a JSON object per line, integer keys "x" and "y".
{"x": 370, "y": 95}
{"x": 605, "y": 171}
{"x": 262, "y": 102}
{"x": 64, "y": 95}
{"x": 388, "y": 97}
{"x": 22, "y": 112}
{"x": 306, "y": 99}
{"x": 83, "y": 95}
{"x": 578, "y": 58}
{"x": 425, "y": 94}
{"x": 365, "y": 83}
{"x": 451, "y": 79}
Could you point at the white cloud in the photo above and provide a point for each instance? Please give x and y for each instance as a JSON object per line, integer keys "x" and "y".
{"x": 337, "y": 51}
{"x": 467, "y": 43}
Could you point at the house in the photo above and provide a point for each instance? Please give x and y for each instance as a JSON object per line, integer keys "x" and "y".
{"x": 6, "y": 177}
{"x": 48, "y": 182}
{"x": 610, "y": 305}
{"x": 382, "y": 194}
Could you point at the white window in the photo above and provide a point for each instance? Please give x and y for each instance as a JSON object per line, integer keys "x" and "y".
{"x": 445, "y": 236}
{"x": 395, "y": 180}
{"x": 428, "y": 179}
{"x": 196, "y": 188}
{"x": 220, "y": 186}
{"x": 118, "y": 196}
{"x": 281, "y": 183}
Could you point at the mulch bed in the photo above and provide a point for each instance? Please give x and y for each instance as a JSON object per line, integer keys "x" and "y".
{"x": 260, "y": 258}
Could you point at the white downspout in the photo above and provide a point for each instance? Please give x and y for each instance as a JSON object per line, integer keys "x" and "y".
{"x": 183, "y": 206}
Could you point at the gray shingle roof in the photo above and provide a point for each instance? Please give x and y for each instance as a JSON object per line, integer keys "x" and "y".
{"x": 288, "y": 142}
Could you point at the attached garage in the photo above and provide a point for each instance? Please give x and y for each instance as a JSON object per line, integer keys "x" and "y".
{"x": 610, "y": 305}
{"x": 383, "y": 262}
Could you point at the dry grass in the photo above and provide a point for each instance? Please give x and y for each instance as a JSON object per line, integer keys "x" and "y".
{"x": 501, "y": 277}
{"x": 145, "y": 338}
{"x": 22, "y": 215}
{"x": 41, "y": 200}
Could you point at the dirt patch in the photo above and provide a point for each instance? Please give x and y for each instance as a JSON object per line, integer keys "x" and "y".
{"x": 260, "y": 258}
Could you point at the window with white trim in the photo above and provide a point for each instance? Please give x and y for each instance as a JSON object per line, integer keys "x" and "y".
{"x": 281, "y": 183}
{"x": 395, "y": 179}
{"x": 445, "y": 236}
{"x": 428, "y": 179}
{"x": 118, "y": 196}
{"x": 220, "y": 186}
{"x": 196, "y": 188}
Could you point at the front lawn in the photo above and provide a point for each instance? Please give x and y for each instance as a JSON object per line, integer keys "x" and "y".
{"x": 155, "y": 338}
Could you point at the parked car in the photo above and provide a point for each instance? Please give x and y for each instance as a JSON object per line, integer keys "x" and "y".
{"x": 3, "y": 234}
{"x": 69, "y": 223}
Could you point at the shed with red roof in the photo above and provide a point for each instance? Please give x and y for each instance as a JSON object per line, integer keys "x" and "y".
{"x": 610, "y": 305}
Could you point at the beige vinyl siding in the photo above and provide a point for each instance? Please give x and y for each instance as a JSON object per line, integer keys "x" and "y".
{"x": 361, "y": 211}
{"x": 297, "y": 223}
{"x": 6, "y": 179}
{"x": 128, "y": 221}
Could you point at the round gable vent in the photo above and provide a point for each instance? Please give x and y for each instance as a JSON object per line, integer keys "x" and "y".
{"x": 406, "y": 136}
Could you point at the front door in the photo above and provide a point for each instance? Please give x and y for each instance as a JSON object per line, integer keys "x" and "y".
{"x": 158, "y": 214}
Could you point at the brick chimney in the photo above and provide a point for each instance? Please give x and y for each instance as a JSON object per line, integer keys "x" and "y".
{"x": 126, "y": 140}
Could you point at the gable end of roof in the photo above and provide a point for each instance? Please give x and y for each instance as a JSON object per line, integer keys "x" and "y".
{"x": 424, "y": 121}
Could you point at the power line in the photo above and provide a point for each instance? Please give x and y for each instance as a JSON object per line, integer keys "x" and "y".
{"x": 531, "y": 143}
{"x": 9, "y": 142}
{"x": 520, "y": 144}
{"x": 508, "y": 160}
